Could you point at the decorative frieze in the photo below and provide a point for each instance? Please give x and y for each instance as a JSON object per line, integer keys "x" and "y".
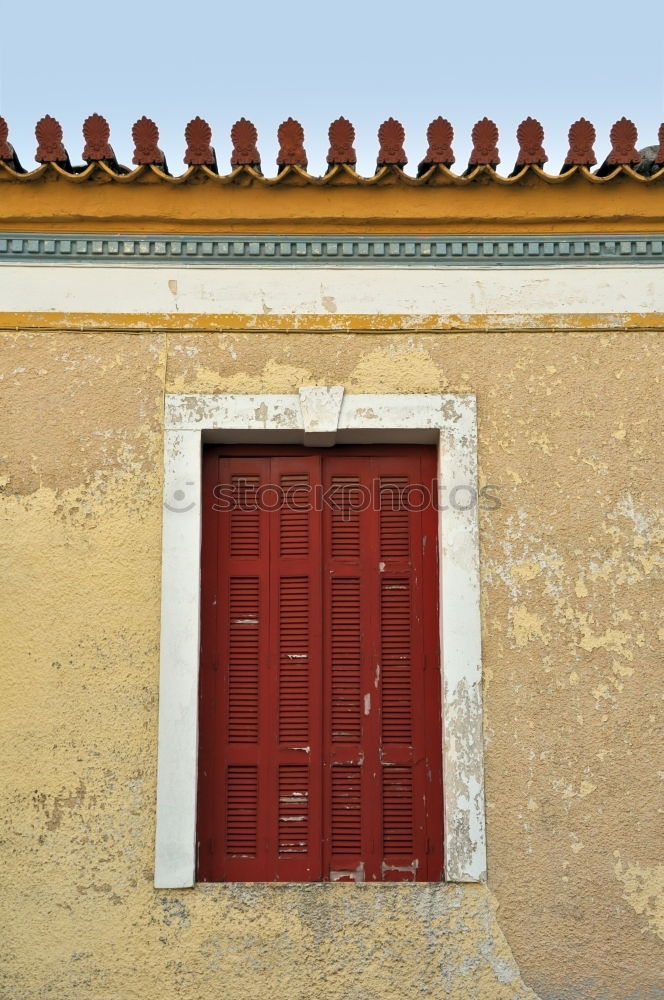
{"x": 283, "y": 251}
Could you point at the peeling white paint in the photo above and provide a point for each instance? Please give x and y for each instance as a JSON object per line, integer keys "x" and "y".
{"x": 97, "y": 288}
{"x": 349, "y": 875}
{"x": 320, "y": 406}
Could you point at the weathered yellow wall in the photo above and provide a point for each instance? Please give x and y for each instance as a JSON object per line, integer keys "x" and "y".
{"x": 573, "y": 616}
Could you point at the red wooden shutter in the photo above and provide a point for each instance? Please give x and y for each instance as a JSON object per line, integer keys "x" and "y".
{"x": 233, "y": 683}
{"x": 383, "y": 741}
{"x": 320, "y": 732}
{"x": 407, "y": 612}
{"x": 259, "y": 784}
{"x": 293, "y": 793}
{"x": 347, "y": 665}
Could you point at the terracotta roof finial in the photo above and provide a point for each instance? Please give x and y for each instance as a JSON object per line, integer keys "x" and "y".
{"x": 50, "y": 149}
{"x": 581, "y": 136}
{"x": 244, "y": 138}
{"x": 6, "y": 149}
{"x": 659, "y": 156}
{"x": 291, "y": 145}
{"x": 485, "y": 144}
{"x": 623, "y": 137}
{"x": 7, "y": 154}
{"x": 342, "y": 136}
{"x": 199, "y": 152}
{"x": 530, "y": 136}
{"x": 96, "y": 132}
{"x": 146, "y": 136}
{"x": 440, "y": 136}
{"x": 391, "y": 138}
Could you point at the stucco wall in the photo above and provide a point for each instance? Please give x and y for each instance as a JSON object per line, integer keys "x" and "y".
{"x": 573, "y": 629}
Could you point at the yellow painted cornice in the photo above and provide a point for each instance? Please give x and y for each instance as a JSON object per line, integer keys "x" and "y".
{"x": 147, "y": 201}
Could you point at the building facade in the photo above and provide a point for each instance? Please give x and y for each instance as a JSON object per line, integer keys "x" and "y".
{"x": 506, "y": 331}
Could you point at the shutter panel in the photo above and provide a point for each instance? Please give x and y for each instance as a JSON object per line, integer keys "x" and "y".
{"x": 293, "y": 801}
{"x": 382, "y": 752}
{"x": 410, "y": 729}
{"x": 260, "y": 748}
{"x": 346, "y": 668}
{"x": 235, "y": 623}
{"x": 242, "y": 810}
{"x": 244, "y": 622}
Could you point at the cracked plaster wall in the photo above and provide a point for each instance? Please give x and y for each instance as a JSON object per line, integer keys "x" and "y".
{"x": 572, "y": 599}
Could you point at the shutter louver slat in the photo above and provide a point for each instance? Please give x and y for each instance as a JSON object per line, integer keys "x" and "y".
{"x": 396, "y": 655}
{"x": 294, "y": 666}
{"x": 397, "y": 811}
{"x": 244, "y": 517}
{"x": 294, "y": 527}
{"x": 346, "y": 835}
{"x": 345, "y": 518}
{"x": 243, "y": 660}
{"x": 241, "y": 810}
{"x": 293, "y": 809}
{"x": 346, "y": 655}
{"x": 394, "y": 518}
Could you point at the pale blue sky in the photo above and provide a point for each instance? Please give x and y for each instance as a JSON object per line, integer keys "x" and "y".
{"x": 315, "y": 61}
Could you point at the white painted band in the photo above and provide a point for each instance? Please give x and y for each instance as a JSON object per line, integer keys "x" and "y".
{"x": 328, "y": 290}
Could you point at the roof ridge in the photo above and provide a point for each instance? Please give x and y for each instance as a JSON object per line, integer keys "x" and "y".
{"x": 292, "y": 159}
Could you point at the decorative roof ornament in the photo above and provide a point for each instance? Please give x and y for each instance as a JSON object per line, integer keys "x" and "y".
{"x": 623, "y": 137}
{"x": 581, "y": 137}
{"x": 530, "y": 136}
{"x": 646, "y": 162}
{"x": 440, "y": 136}
{"x": 6, "y": 150}
{"x": 485, "y": 144}
{"x": 7, "y": 154}
{"x": 291, "y": 145}
{"x": 244, "y": 138}
{"x": 199, "y": 152}
{"x": 342, "y": 136}
{"x": 146, "y": 136}
{"x": 97, "y": 132}
{"x": 659, "y": 155}
{"x": 391, "y": 138}
{"x": 50, "y": 149}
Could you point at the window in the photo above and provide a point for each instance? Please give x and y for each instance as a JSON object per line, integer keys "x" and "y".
{"x": 320, "y": 745}
{"x": 318, "y": 416}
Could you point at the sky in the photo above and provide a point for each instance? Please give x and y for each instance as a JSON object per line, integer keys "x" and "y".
{"x": 314, "y": 61}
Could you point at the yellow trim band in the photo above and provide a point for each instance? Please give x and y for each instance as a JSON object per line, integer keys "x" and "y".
{"x": 336, "y": 323}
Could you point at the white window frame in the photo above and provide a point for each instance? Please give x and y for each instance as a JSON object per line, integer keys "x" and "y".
{"x": 321, "y": 415}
